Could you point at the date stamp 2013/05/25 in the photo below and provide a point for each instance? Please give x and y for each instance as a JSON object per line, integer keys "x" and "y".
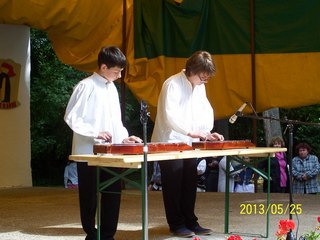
{"x": 272, "y": 208}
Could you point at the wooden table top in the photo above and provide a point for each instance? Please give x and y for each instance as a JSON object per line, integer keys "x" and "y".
{"x": 135, "y": 161}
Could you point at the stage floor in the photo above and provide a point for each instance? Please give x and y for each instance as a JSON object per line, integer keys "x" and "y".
{"x": 39, "y": 213}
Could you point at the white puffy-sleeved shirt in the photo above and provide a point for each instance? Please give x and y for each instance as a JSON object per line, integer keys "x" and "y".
{"x": 181, "y": 110}
{"x": 94, "y": 107}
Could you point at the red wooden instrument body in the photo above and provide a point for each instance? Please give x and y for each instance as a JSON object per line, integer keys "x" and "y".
{"x": 137, "y": 148}
{"x": 219, "y": 145}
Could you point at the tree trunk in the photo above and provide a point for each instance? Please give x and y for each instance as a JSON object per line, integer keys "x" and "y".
{"x": 272, "y": 128}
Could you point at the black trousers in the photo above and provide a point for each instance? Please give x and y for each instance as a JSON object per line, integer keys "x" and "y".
{"x": 110, "y": 203}
{"x": 179, "y": 189}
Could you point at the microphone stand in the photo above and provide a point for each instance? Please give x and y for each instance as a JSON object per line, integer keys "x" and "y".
{"x": 290, "y": 123}
{"x": 290, "y": 235}
{"x": 144, "y": 114}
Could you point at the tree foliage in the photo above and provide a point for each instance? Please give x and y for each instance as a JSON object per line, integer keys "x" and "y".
{"x": 51, "y": 85}
{"x": 306, "y": 125}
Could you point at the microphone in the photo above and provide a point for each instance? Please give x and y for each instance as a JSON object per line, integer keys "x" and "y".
{"x": 234, "y": 117}
{"x": 144, "y": 114}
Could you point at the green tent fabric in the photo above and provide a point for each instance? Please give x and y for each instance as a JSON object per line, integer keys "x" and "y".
{"x": 223, "y": 27}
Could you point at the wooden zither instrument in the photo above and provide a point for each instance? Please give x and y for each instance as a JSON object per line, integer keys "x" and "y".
{"x": 219, "y": 145}
{"x": 137, "y": 148}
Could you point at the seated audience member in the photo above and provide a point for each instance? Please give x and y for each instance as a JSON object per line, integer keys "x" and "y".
{"x": 155, "y": 181}
{"x": 222, "y": 175}
{"x": 71, "y": 175}
{"x": 212, "y": 174}
{"x": 201, "y": 170}
{"x": 243, "y": 180}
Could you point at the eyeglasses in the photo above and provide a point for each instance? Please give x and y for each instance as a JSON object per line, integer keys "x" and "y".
{"x": 204, "y": 79}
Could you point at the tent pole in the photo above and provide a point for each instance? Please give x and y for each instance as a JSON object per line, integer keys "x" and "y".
{"x": 124, "y": 50}
{"x": 253, "y": 69}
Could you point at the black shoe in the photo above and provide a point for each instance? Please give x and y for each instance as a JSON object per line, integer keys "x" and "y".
{"x": 183, "y": 232}
{"x": 198, "y": 230}
{"x": 90, "y": 237}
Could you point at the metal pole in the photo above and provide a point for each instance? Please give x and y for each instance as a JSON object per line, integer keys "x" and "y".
{"x": 227, "y": 200}
{"x": 268, "y": 196}
{"x": 253, "y": 69}
{"x": 290, "y": 235}
{"x": 144, "y": 171}
{"x": 124, "y": 49}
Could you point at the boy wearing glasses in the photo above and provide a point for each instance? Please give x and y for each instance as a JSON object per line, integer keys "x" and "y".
{"x": 184, "y": 114}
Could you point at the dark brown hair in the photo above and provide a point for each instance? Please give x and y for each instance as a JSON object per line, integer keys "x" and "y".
{"x": 112, "y": 57}
{"x": 277, "y": 140}
{"x": 200, "y": 62}
{"x": 303, "y": 145}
